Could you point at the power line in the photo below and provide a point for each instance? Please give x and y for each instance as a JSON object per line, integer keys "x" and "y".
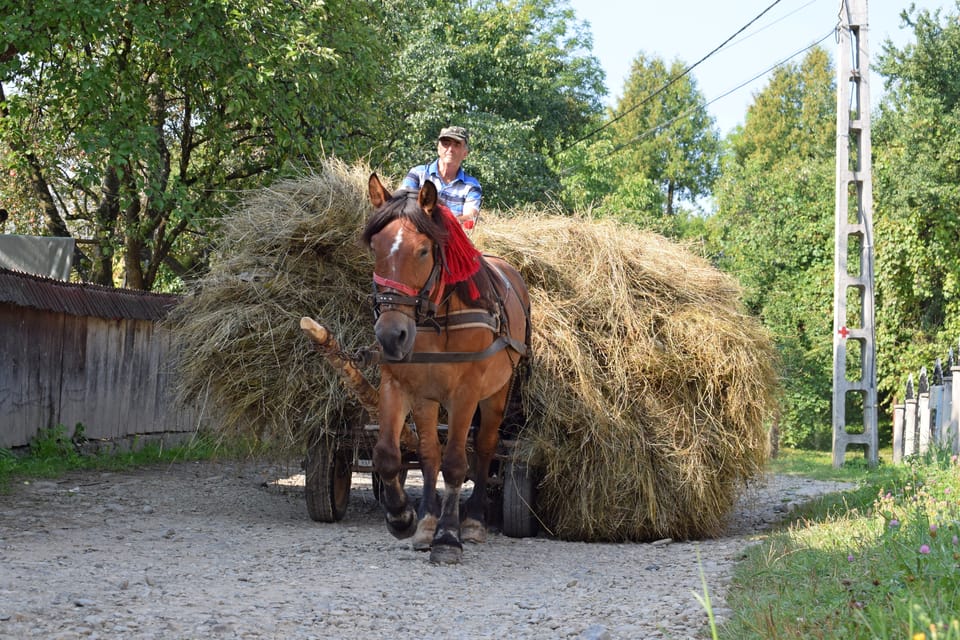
{"x": 663, "y": 125}
{"x": 671, "y": 80}
{"x": 693, "y": 109}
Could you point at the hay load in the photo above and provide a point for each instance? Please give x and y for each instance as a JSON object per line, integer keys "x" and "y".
{"x": 650, "y": 388}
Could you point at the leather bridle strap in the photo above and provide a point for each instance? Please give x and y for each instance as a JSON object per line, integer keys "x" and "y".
{"x": 396, "y": 286}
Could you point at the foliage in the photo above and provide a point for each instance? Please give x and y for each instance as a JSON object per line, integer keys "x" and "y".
{"x": 917, "y": 143}
{"x": 132, "y": 125}
{"x": 666, "y": 145}
{"x": 883, "y": 566}
{"x": 656, "y": 150}
{"x": 517, "y": 74}
{"x": 774, "y": 231}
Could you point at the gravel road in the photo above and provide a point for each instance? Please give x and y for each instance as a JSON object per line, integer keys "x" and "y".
{"x": 227, "y": 550}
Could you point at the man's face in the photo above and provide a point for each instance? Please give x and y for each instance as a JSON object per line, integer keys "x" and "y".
{"x": 451, "y": 151}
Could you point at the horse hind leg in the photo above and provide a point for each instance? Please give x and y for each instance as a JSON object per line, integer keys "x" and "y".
{"x": 473, "y": 528}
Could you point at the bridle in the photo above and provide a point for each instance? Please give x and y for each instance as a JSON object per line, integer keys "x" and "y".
{"x": 425, "y": 303}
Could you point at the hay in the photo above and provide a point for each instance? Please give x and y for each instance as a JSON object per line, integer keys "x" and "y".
{"x": 288, "y": 251}
{"x": 650, "y": 388}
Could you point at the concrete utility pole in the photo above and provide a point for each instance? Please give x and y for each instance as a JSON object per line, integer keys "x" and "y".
{"x": 853, "y": 312}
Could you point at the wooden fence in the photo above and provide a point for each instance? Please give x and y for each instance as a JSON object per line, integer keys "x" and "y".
{"x": 930, "y": 413}
{"x": 85, "y": 354}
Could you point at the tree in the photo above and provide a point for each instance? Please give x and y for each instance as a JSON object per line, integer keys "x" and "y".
{"x": 517, "y": 74}
{"x": 133, "y": 125}
{"x": 666, "y": 145}
{"x": 917, "y": 202}
{"x": 774, "y": 226}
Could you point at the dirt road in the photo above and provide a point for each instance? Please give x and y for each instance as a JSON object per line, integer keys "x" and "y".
{"x": 227, "y": 550}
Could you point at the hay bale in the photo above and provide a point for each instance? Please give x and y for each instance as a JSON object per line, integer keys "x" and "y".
{"x": 650, "y": 389}
{"x": 288, "y": 251}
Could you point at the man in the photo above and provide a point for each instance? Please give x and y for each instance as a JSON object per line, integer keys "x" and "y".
{"x": 456, "y": 189}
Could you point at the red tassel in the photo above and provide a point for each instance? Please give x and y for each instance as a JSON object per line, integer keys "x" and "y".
{"x": 462, "y": 258}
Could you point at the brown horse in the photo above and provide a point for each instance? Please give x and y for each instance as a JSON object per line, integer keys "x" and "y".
{"x": 452, "y": 327}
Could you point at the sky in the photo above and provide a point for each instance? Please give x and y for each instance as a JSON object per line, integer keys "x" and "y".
{"x": 688, "y": 30}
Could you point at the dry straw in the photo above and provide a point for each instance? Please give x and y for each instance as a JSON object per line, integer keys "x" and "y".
{"x": 650, "y": 394}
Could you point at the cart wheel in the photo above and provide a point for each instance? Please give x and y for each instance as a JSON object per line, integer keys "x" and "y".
{"x": 378, "y": 483}
{"x": 519, "y": 520}
{"x": 327, "y": 489}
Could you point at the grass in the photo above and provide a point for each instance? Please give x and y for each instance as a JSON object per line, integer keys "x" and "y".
{"x": 879, "y": 561}
{"x": 53, "y": 453}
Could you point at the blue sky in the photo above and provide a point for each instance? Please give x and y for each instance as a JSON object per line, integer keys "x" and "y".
{"x": 689, "y": 29}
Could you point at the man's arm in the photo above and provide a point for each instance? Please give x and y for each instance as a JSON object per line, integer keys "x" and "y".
{"x": 414, "y": 179}
{"x": 471, "y": 209}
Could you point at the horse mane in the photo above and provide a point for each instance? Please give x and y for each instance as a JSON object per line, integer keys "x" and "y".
{"x": 403, "y": 204}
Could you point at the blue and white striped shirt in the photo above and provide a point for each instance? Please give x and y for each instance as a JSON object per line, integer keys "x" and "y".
{"x": 463, "y": 189}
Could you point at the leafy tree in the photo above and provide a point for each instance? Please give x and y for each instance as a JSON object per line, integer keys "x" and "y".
{"x": 774, "y": 227}
{"x": 134, "y": 125}
{"x": 666, "y": 145}
{"x": 917, "y": 202}
{"x": 517, "y": 74}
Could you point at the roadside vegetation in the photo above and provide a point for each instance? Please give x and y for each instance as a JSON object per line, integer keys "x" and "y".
{"x": 53, "y": 453}
{"x": 879, "y": 561}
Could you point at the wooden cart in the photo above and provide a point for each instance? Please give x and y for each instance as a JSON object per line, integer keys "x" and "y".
{"x": 331, "y": 461}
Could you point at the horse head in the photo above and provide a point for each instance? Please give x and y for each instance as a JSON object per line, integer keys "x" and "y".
{"x": 404, "y": 233}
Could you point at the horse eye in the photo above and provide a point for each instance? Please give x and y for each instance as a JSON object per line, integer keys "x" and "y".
{"x": 424, "y": 252}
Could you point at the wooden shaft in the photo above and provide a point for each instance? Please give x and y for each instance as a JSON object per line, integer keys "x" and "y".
{"x": 352, "y": 378}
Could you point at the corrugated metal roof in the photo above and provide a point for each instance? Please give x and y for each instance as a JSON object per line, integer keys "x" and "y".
{"x": 46, "y": 294}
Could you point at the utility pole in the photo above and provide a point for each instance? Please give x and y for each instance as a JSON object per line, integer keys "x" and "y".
{"x": 854, "y": 343}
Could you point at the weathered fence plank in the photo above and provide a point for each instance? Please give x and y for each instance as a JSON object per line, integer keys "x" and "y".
{"x": 74, "y": 354}
{"x": 932, "y": 418}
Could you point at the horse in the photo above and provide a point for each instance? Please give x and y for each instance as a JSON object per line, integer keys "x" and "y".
{"x": 453, "y": 326}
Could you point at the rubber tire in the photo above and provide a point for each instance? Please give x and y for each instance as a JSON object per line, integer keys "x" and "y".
{"x": 328, "y": 474}
{"x": 519, "y": 487}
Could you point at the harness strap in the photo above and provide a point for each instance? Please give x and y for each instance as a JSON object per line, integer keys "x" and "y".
{"x": 501, "y": 343}
{"x": 463, "y": 319}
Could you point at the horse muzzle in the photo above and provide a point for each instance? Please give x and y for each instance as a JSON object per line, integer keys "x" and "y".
{"x": 396, "y": 333}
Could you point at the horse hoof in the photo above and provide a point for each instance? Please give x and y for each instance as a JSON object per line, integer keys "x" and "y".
{"x": 423, "y": 538}
{"x": 472, "y": 530}
{"x": 402, "y": 526}
{"x": 446, "y": 554}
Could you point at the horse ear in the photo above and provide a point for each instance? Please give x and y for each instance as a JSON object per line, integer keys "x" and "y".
{"x": 378, "y": 193}
{"x": 427, "y": 198}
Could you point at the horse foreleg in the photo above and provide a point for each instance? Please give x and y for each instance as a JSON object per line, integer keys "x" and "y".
{"x": 425, "y": 415}
{"x": 447, "y": 548}
{"x": 387, "y": 461}
{"x": 473, "y": 528}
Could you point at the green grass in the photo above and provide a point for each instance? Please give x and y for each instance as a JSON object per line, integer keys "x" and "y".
{"x": 52, "y": 454}
{"x": 879, "y": 561}
{"x": 819, "y": 465}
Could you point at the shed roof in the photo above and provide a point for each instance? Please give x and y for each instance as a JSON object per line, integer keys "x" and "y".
{"x": 47, "y": 294}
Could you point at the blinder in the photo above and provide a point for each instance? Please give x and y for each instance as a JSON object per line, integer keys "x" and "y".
{"x": 424, "y": 302}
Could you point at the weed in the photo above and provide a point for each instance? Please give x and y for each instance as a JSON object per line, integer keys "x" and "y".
{"x": 880, "y": 561}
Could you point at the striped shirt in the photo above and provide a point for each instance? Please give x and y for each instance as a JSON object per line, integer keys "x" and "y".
{"x": 463, "y": 189}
